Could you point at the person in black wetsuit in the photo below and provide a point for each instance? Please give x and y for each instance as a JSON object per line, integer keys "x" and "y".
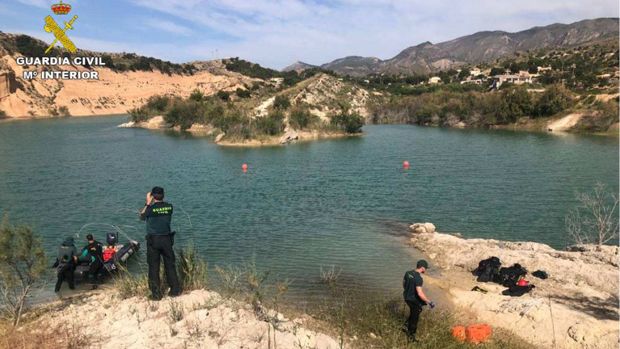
{"x": 160, "y": 239}
{"x": 93, "y": 253}
{"x": 415, "y": 297}
{"x": 65, "y": 263}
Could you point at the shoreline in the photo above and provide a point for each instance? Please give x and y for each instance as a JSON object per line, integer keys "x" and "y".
{"x": 516, "y": 127}
{"x": 290, "y": 137}
{"x": 575, "y": 308}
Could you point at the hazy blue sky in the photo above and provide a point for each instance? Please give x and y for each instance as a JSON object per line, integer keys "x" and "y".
{"x": 276, "y": 33}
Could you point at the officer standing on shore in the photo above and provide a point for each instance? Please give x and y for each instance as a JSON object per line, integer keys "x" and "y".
{"x": 415, "y": 297}
{"x": 160, "y": 239}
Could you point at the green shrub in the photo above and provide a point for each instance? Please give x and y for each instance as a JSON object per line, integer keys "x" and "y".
{"x": 2, "y": 115}
{"x": 272, "y": 125}
{"x": 249, "y": 69}
{"x": 301, "y": 118}
{"x": 223, "y": 95}
{"x": 158, "y": 103}
{"x": 23, "y": 265}
{"x": 63, "y": 110}
{"x": 241, "y": 93}
{"x": 141, "y": 114}
{"x": 30, "y": 47}
{"x": 107, "y": 60}
{"x": 281, "y": 102}
{"x": 349, "y": 122}
{"x": 183, "y": 113}
{"x": 196, "y": 95}
{"x": 554, "y": 100}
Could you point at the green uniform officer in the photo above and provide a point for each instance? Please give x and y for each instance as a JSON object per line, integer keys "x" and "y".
{"x": 160, "y": 239}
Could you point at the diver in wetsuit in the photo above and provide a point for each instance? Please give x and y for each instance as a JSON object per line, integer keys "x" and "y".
{"x": 93, "y": 253}
{"x": 65, "y": 263}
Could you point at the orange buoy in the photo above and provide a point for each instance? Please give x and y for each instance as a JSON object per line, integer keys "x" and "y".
{"x": 406, "y": 164}
{"x": 244, "y": 167}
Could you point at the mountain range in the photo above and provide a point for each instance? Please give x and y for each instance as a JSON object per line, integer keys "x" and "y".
{"x": 485, "y": 46}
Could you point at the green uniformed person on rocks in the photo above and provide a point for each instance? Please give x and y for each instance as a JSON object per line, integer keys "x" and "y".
{"x": 415, "y": 297}
{"x": 159, "y": 239}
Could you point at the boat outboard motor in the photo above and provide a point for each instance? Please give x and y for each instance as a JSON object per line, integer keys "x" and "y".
{"x": 112, "y": 239}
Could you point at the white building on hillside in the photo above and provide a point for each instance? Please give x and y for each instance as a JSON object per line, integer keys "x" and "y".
{"x": 434, "y": 80}
{"x": 518, "y": 79}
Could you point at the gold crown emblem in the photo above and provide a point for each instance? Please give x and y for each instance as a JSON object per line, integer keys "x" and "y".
{"x": 61, "y": 9}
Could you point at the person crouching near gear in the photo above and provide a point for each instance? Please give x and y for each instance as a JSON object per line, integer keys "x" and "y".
{"x": 65, "y": 263}
{"x": 93, "y": 254}
{"x": 415, "y": 297}
{"x": 160, "y": 239}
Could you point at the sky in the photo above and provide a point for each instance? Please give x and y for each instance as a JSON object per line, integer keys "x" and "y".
{"x": 276, "y": 33}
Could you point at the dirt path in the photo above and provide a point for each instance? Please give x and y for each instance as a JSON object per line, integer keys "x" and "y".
{"x": 565, "y": 123}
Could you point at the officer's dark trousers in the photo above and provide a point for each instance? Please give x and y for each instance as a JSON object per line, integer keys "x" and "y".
{"x": 67, "y": 275}
{"x": 95, "y": 270}
{"x": 161, "y": 246}
{"x": 414, "y": 316}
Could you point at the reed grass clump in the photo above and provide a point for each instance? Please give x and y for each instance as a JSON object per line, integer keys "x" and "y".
{"x": 192, "y": 270}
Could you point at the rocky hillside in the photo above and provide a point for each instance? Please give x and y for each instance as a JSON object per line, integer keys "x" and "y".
{"x": 488, "y": 46}
{"x": 354, "y": 65}
{"x": 126, "y": 82}
{"x": 299, "y": 66}
{"x": 479, "y": 47}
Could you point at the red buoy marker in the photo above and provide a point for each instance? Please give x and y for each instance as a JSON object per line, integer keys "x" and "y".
{"x": 244, "y": 167}
{"x": 405, "y": 164}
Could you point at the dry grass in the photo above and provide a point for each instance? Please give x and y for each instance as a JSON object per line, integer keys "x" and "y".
{"x": 34, "y": 336}
{"x": 376, "y": 321}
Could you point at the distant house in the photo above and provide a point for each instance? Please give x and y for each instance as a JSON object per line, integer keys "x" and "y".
{"x": 475, "y": 72}
{"x": 604, "y": 76}
{"x": 543, "y": 69}
{"x": 472, "y": 81}
{"x": 518, "y": 79}
{"x": 276, "y": 81}
{"x": 434, "y": 80}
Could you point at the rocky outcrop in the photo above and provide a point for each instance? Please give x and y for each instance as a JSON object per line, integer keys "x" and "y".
{"x": 155, "y": 123}
{"x": 289, "y": 136}
{"x": 200, "y": 319}
{"x": 422, "y": 228}
{"x": 575, "y": 308}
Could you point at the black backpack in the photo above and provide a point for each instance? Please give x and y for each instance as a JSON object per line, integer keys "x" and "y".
{"x": 488, "y": 269}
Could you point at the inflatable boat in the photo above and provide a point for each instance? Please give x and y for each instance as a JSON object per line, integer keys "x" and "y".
{"x": 114, "y": 262}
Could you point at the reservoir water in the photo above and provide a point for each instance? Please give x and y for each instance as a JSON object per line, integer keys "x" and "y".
{"x": 341, "y": 202}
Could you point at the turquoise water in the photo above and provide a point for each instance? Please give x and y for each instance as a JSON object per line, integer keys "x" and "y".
{"x": 340, "y": 202}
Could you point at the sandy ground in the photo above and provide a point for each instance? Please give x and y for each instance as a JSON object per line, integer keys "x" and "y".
{"x": 113, "y": 93}
{"x": 577, "y": 307}
{"x": 200, "y": 319}
{"x": 565, "y": 123}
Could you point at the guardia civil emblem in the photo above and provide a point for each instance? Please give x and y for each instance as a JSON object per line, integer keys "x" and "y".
{"x": 60, "y": 34}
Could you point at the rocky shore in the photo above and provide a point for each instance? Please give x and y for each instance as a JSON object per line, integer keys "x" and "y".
{"x": 200, "y": 319}
{"x": 289, "y": 136}
{"x": 576, "y": 307}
